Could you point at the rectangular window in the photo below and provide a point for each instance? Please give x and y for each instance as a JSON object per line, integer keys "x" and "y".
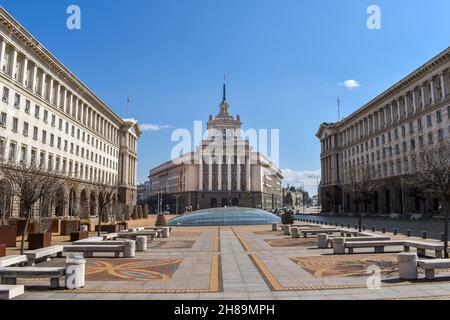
{"x": 45, "y": 116}
{"x": 439, "y": 116}
{"x": 27, "y": 106}
{"x": 59, "y": 143}
{"x": 52, "y": 139}
{"x": 60, "y": 124}
{"x": 403, "y": 131}
{"x": 420, "y": 141}
{"x": 36, "y": 111}
{"x": 17, "y": 100}
{"x": 3, "y": 119}
{"x": 430, "y": 137}
{"x": 25, "y": 129}
{"x": 413, "y": 144}
{"x": 12, "y": 151}
{"x": 44, "y": 136}
{"x": 429, "y": 120}
{"x": 15, "y": 124}
{"x": 35, "y": 133}
{"x": 441, "y": 134}
{"x": 411, "y": 127}
{"x": 53, "y": 120}
{"x": 5, "y": 96}
{"x": 419, "y": 124}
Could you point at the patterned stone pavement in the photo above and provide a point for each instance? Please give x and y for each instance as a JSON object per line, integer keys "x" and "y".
{"x": 244, "y": 262}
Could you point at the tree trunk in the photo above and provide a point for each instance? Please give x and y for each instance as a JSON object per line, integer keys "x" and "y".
{"x": 100, "y": 216}
{"x": 25, "y": 230}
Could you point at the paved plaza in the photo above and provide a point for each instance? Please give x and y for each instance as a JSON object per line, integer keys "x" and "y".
{"x": 242, "y": 262}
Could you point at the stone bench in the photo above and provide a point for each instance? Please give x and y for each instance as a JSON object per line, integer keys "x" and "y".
{"x": 430, "y": 265}
{"x": 8, "y": 292}
{"x": 305, "y": 233}
{"x": 127, "y": 249}
{"x": 132, "y": 235}
{"x": 9, "y": 275}
{"x": 12, "y": 260}
{"x": 325, "y": 240}
{"x": 43, "y": 254}
{"x": 91, "y": 239}
{"x": 422, "y": 246}
{"x": 163, "y": 232}
{"x": 340, "y": 244}
{"x": 109, "y": 236}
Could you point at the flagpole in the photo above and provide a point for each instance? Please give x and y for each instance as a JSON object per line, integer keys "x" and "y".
{"x": 339, "y": 109}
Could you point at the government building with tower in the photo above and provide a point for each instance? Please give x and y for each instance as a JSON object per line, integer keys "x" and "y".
{"x": 223, "y": 171}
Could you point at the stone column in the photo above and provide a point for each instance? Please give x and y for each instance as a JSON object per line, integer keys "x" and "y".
{"x": 24, "y": 71}
{"x": 34, "y": 85}
{"x": 414, "y": 102}
{"x": 210, "y": 176}
{"x": 141, "y": 243}
{"x": 50, "y": 95}
{"x": 43, "y": 78}
{"x": 2, "y": 52}
{"x": 443, "y": 86}
{"x": 219, "y": 175}
{"x": 433, "y": 96}
{"x": 13, "y": 63}
{"x": 422, "y": 92}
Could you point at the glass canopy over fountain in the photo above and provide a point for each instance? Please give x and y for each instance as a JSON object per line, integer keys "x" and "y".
{"x": 225, "y": 217}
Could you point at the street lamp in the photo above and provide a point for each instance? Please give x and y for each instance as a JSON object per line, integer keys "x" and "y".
{"x": 401, "y": 176}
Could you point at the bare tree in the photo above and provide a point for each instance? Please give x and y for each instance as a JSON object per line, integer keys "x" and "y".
{"x": 105, "y": 198}
{"x": 361, "y": 182}
{"x": 33, "y": 183}
{"x": 5, "y": 201}
{"x": 432, "y": 178}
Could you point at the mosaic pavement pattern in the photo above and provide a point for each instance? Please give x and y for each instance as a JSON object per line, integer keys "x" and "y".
{"x": 135, "y": 270}
{"x": 348, "y": 265}
{"x": 158, "y": 244}
{"x": 292, "y": 242}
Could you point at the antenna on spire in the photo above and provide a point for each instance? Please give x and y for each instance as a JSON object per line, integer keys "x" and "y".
{"x": 224, "y": 88}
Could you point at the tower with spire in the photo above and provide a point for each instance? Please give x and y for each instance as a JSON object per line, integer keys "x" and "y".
{"x": 224, "y": 120}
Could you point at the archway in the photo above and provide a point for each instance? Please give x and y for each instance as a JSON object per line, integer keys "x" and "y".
{"x": 400, "y": 199}
{"x": 213, "y": 203}
{"x": 224, "y": 202}
{"x": 235, "y": 202}
{"x": 375, "y": 202}
{"x": 387, "y": 196}
{"x": 6, "y": 195}
{"x": 72, "y": 203}
{"x": 92, "y": 204}
{"x": 84, "y": 205}
{"x": 59, "y": 202}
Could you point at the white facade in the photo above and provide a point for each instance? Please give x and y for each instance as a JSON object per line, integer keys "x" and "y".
{"x": 49, "y": 117}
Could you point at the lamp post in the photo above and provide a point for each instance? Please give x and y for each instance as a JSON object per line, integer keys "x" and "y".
{"x": 401, "y": 176}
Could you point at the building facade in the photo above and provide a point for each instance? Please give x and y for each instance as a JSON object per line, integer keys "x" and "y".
{"x": 389, "y": 132}
{"x": 50, "y": 118}
{"x": 223, "y": 171}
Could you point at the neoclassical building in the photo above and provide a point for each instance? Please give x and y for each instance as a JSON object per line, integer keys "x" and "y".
{"x": 389, "y": 132}
{"x": 223, "y": 171}
{"x": 50, "y": 118}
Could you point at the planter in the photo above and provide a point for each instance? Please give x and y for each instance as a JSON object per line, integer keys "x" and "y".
{"x": 39, "y": 240}
{"x": 8, "y": 235}
{"x": 56, "y": 226}
{"x": 69, "y": 226}
{"x": 33, "y": 226}
{"x": 2, "y": 250}
{"x": 79, "y": 235}
{"x": 110, "y": 228}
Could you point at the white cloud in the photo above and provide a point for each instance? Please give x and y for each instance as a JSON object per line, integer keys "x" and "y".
{"x": 298, "y": 178}
{"x": 350, "y": 84}
{"x": 154, "y": 127}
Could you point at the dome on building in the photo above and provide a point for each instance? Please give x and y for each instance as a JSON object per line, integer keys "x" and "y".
{"x": 225, "y": 217}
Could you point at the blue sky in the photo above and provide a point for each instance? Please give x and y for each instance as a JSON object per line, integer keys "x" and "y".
{"x": 285, "y": 61}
